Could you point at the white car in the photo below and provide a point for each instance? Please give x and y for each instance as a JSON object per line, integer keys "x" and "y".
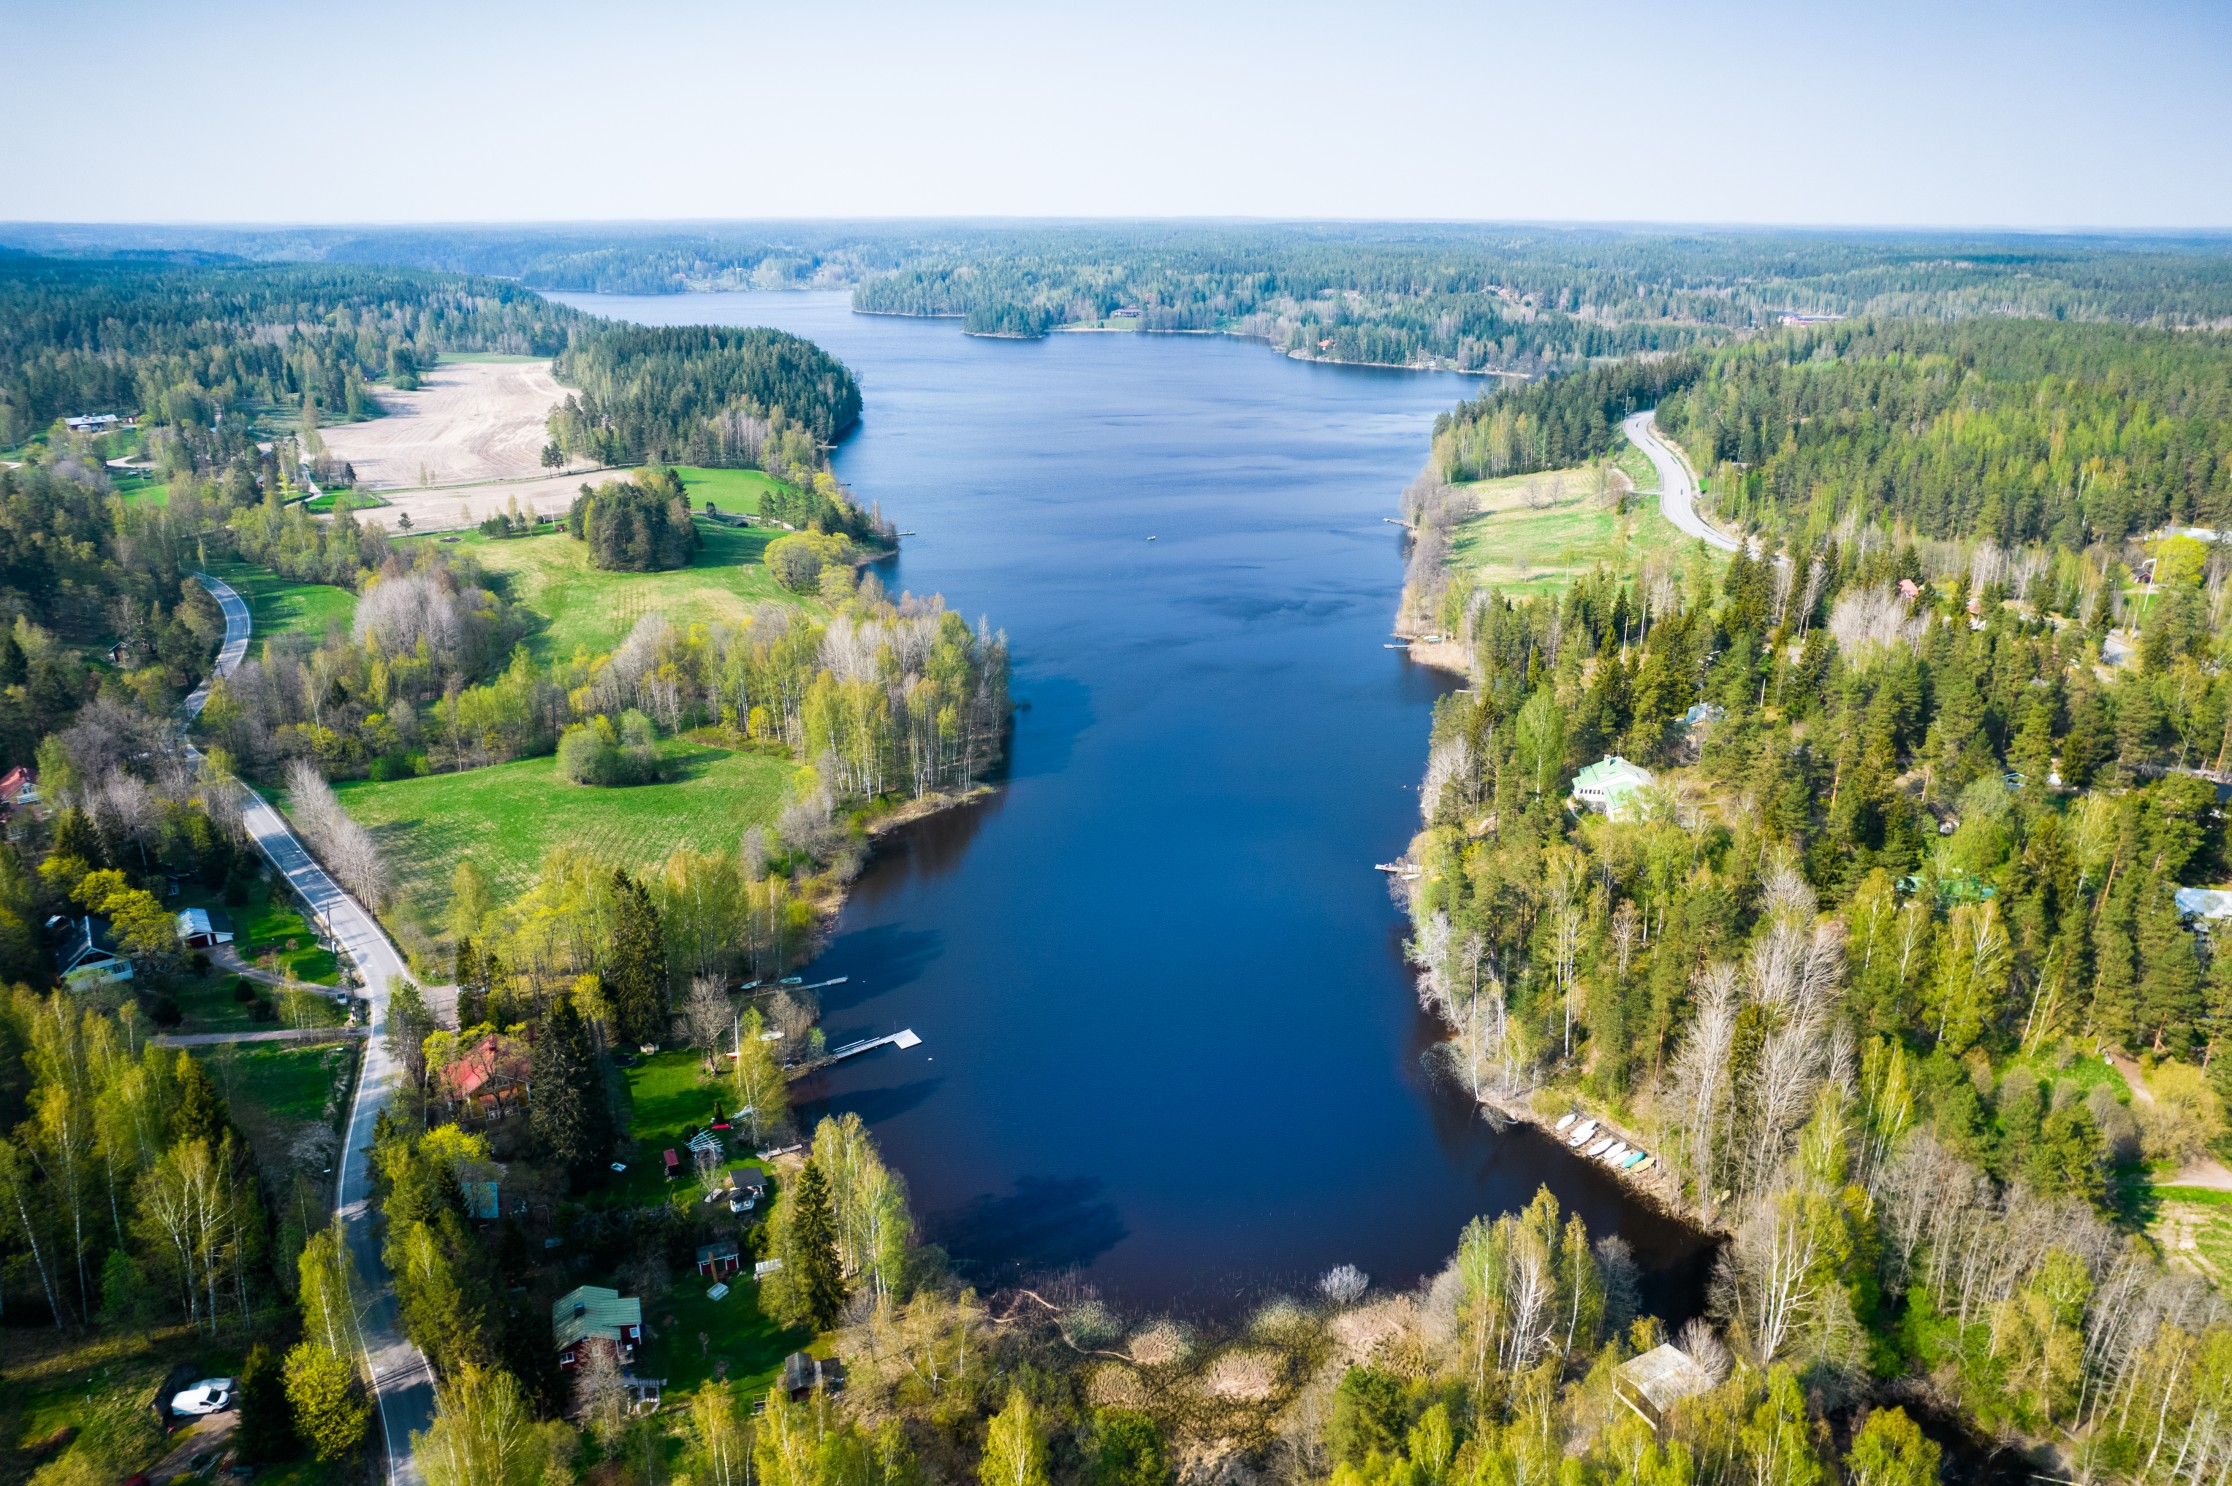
{"x": 209, "y": 1396}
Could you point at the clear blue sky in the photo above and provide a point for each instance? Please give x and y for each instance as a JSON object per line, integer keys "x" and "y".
{"x": 1953, "y": 112}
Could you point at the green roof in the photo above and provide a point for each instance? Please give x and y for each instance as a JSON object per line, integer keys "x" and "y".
{"x": 594, "y": 1310}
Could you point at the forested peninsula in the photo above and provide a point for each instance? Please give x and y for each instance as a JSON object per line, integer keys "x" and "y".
{"x": 1885, "y": 944}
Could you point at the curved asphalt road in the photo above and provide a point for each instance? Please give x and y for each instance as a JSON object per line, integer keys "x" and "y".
{"x": 402, "y": 1383}
{"x": 1677, "y": 487}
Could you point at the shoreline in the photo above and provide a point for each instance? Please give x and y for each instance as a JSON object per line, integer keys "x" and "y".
{"x": 1656, "y": 1188}
{"x": 1238, "y": 335}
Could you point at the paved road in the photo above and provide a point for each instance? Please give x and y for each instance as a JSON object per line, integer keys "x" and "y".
{"x": 1677, "y": 488}
{"x": 401, "y": 1381}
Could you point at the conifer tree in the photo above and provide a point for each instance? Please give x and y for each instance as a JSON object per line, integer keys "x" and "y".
{"x": 568, "y": 1111}
{"x": 809, "y": 1251}
{"x": 636, "y": 978}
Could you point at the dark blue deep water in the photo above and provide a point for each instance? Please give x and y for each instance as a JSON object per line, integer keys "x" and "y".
{"x": 1168, "y": 1036}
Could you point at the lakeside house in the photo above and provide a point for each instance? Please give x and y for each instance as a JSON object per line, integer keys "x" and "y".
{"x": 200, "y": 928}
{"x": 1656, "y": 1381}
{"x": 747, "y": 1181}
{"x": 1609, "y": 786}
{"x": 87, "y": 954}
{"x": 594, "y": 1316}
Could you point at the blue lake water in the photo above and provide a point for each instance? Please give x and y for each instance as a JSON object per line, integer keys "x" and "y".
{"x": 1169, "y": 1040}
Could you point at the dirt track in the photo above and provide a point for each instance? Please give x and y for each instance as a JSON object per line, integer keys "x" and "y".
{"x": 469, "y": 422}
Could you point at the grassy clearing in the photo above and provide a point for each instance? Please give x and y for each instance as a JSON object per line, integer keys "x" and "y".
{"x": 586, "y": 606}
{"x": 277, "y": 1082}
{"x": 662, "y": 1098}
{"x": 508, "y": 816}
{"x": 695, "y": 1337}
{"x": 287, "y": 1098}
{"x": 2193, "y": 1228}
{"x": 484, "y": 358}
{"x": 1636, "y": 465}
{"x": 53, "y": 1381}
{"x": 739, "y": 492}
{"x": 1536, "y": 533}
{"x": 140, "y": 490}
{"x": 359, "y": 500}
{"x": 279, "y": 607}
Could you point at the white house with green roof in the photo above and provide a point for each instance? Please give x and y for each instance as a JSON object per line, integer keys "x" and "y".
{"x": 1610, "y": 785}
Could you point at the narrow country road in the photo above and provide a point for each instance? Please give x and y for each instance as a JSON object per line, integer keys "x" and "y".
{"x": 1677, "y": 488}
{"x": 402, "y": 1383}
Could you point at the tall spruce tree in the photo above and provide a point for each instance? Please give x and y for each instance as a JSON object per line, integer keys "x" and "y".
{"x": 570, "y": 1118}
{"x": 809, "y": 1250}
{"x": 636, "y": 977}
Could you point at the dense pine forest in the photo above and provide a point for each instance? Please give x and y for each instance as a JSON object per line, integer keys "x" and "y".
{"x": 700, "y": 395}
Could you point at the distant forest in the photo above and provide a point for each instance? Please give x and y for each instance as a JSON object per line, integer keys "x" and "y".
{"x": 199, "y": 352}
{"x": 2014, "y": 430}
{"x": 1523, "y": 300}
{"x": 184, "y": 345}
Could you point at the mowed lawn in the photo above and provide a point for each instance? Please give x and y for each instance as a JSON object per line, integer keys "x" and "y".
{"x": 508, "y": 816}
{"x": 695, "y": 1336}
{"x": 587, "y": 607}
{"x": 739, "y": 492}
{"x": 1536, "y": 533}
{"x": 280, "y": 606}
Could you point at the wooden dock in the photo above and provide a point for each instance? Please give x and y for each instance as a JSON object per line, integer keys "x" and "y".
{"x": 905, "y": 1038}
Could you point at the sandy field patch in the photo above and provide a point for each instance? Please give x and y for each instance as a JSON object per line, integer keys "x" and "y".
{"x": 469, "y": 422}
{"x": 454, "y": 507}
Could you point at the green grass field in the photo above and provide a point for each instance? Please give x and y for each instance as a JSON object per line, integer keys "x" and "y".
{"x": 662, "y": 1097}
{"x": 585, "y": 606}
{"x": 279, "y": 1082}
{"x": 140, "y": 490}
{"x": 1536, "y": 533}
{"x": 2193, "y": 1228}
{"x": 508, "y": 816}
{"x": 280, "y": 606}
{"x": 736, "y": 491}
{"x": 359, "y": 500}
{"x": 735, "y": 1331}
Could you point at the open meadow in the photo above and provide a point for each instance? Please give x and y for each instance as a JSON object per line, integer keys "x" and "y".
{"x": 507, "y": 816}
{"x": 589, "y": 606}
{"x": 1536, "y": 533}
{"x": 279, "y": 607}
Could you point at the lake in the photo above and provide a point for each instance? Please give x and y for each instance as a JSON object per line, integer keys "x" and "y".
{"x": 1169, "y": 1039}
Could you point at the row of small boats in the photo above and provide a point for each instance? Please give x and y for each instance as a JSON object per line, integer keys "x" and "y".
{"x": 1593, "y": 1141}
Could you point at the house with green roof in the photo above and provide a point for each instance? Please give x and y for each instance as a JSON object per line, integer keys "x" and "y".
{"x": 1610, "y": 785}
{"x": 593, "y": 1316}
